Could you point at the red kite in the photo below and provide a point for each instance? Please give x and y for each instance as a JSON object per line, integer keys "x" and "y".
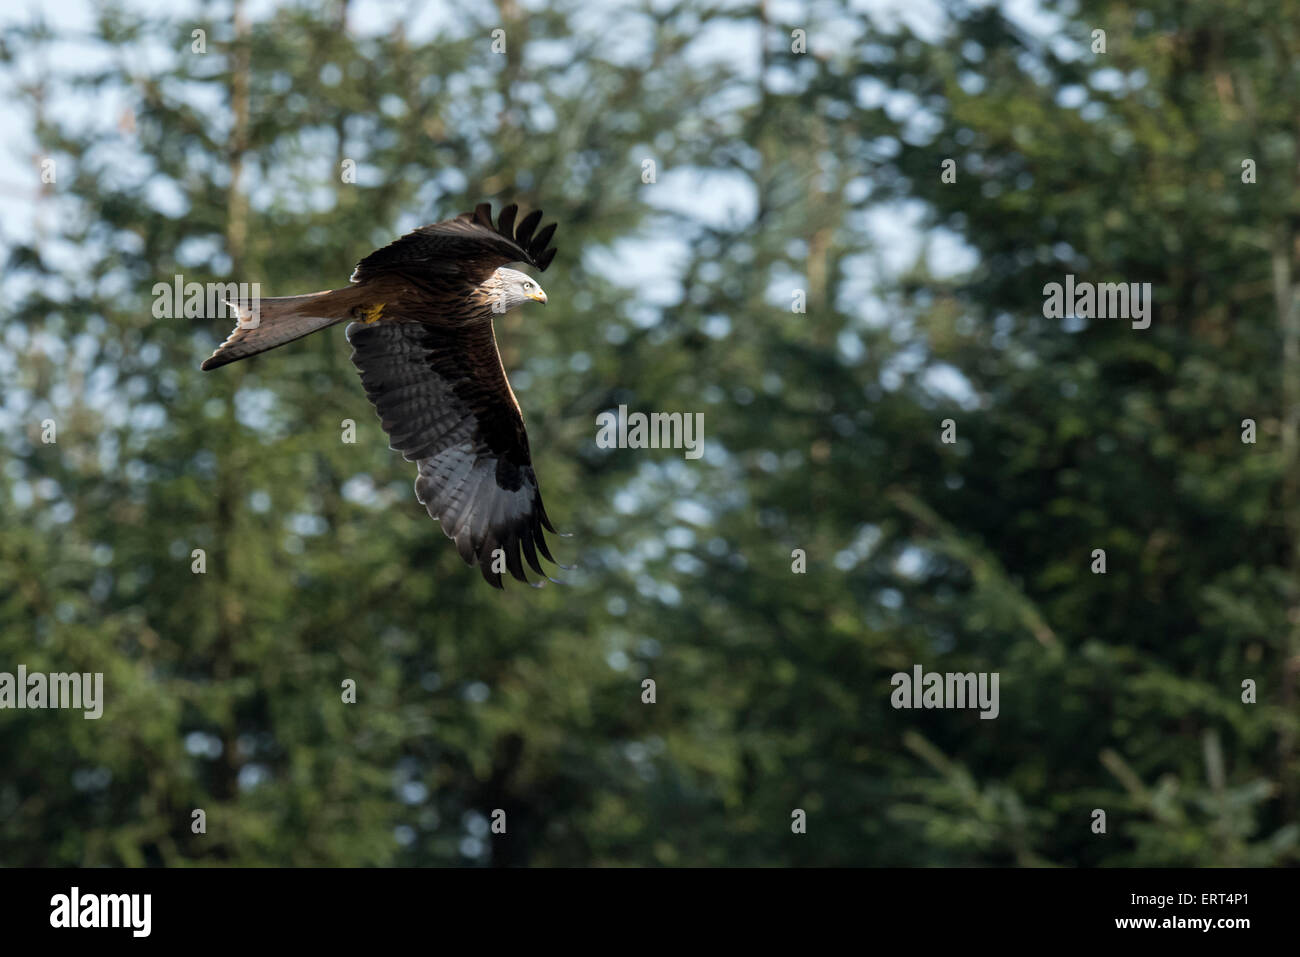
{"x": 423, "y": 341}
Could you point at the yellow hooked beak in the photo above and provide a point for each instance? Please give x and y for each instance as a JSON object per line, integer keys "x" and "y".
{"x": 538, "y": 296}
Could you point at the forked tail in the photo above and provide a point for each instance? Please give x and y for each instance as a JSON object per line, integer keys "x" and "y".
{"x": 265, "y": 323}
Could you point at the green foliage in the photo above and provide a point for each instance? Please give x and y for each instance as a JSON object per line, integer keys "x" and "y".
{"x": 1120, "y": 691}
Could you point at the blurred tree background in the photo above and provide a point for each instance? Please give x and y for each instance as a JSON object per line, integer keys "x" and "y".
{"x": 778, "y": 171}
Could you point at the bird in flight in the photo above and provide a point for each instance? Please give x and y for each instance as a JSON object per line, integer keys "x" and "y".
{"x": 422, "y": 340}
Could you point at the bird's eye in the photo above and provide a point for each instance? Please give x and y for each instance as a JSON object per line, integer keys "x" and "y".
{"x": 527, "y": 286}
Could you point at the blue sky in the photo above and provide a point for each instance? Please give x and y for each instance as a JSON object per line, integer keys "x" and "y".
{"x": 718, "y": 201}
{"x": 649, "y": 262}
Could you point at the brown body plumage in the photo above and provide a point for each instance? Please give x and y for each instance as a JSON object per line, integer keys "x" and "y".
{"x": 423, "y": 342}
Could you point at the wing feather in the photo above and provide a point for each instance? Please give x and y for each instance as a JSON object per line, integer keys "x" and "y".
{"x": 467, "y": 245}
{"x": 444, "y": 400}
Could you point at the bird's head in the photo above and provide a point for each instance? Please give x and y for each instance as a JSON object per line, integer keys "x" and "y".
{"x": 510, "y": 287}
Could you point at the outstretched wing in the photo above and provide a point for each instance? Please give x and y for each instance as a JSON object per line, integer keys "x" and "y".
{"x": 444, "y": 400}
{"x": 468, "y": 245}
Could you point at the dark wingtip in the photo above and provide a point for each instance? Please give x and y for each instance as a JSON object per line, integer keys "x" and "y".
{"x": 506, "y": 221}
{"x": 543, "y": 550}
{"x": 530, "y": 550}
{"x": 530, "y": 554}
{"x": 524, "y": 234}
{"x": 544, "y": 518}
{"x": 542, "y": 240}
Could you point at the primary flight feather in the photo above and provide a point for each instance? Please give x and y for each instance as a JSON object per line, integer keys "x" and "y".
{"x": 423, "y": 341}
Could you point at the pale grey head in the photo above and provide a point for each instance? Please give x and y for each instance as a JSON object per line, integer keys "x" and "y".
{"x": 510, "y": 287}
